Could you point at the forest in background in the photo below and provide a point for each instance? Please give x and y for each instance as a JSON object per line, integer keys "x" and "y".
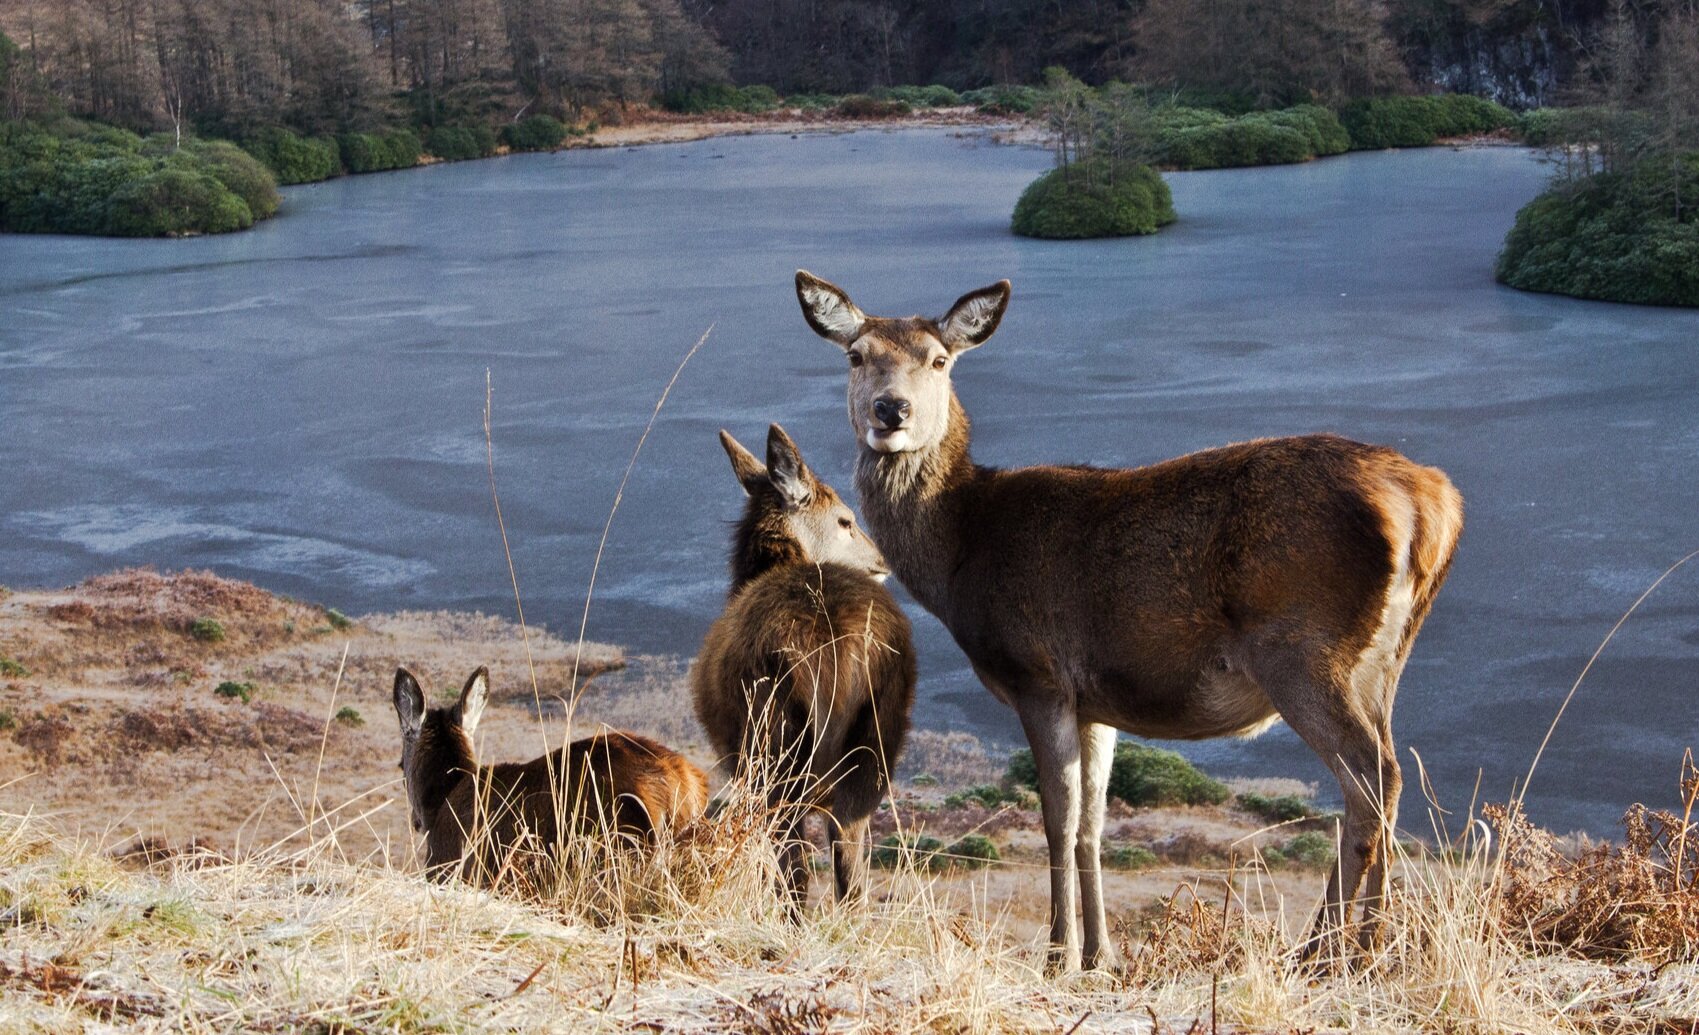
{"x": 227, "y": 67}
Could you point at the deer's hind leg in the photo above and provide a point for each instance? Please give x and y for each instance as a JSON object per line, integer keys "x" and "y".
{"x": 1097, "y": 753}
{"x": 1317, "y": 703}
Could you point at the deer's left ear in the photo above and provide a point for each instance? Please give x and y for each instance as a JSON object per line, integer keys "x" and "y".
{"x": 786, "y": 470}
{"x": 974, "y": 317}
{"x": 828, "y": 309}
{"x": 473, "y": 697}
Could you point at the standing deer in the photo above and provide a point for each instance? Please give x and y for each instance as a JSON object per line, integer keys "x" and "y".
{"x": 1205, "y": 596}
{"x": 480, "y": 817}
{"x": 809, "y": 672}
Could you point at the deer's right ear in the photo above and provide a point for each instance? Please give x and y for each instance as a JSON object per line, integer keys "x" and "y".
{"x": 786, "y": 470}
{"x": 473, "y": 697}
{"x": 409, "y": 701}
{"x": 828, "y": 310}
{"x": 751, "y": 473}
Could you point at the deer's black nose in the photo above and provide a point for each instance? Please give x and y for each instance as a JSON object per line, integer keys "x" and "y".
{"x": 890, "y": 412}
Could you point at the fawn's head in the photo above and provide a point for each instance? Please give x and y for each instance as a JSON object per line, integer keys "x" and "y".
{"x": 436, "y": 743}
{"x": 792, "y": 515}
{"x": 899, "y": 378}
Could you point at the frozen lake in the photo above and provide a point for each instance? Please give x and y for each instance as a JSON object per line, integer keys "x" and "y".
{"x": 301, "y": 404}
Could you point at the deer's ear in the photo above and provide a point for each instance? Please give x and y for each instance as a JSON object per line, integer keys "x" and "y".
{"x": 786, "y": 470}
{"x": 472, "y": 699}
{"x": 409, "y": 702}
{"x": 750, "y": 472}
{"x": 974, "y": 317}
{"x": 828, "y": 310}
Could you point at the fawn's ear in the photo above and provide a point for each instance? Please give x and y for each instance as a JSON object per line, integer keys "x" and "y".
{"x": 974, "y": 317}
{"x": 409, "y": 702}
{"x": 749, "y": 471}
{"x": 828, "y": 310}
{"x": 786, "y": 471}
{"x": 472, "y": 700}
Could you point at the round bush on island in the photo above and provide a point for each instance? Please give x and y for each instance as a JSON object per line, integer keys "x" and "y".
{"x": 1096, "y": 199}
{"x": 1617, "y": 237}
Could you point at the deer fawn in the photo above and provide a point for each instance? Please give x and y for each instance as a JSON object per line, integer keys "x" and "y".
{"x": 809, "y": 670}
{"x": 615, "y": 779}
{"x": 1205, "y": 596}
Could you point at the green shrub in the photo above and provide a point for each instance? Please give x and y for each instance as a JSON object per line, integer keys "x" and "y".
{"x": 231, "y": 689}
{"x": 889, "y": 853}
{"x": 934, "y": 96}
{"x": 240, "y": 172}
{"x": 812, "y": 101}
{"x": 1083, "y": 201}
{"x": 459, "y": 143}
{"x": 1283, "y": 808}
{"x": 1140, "y": 775}
{"x": 348, "y": 715}
{"x": 971, "y": 852}
{"x": 207, "y": 630}
{"x": 534, "y": 133}
{"x": 1613, "y": 236}
{"x": 1311, "y": 848}
{"x": 924, "y": 780}
{"x": 861, "y": 106}
{"x": 722, "y": 97}
{"x": 8, "y": 719}
{"x": 12, "y": 668}
{"x": 293, "y": 158}
{"x": 1378, "y": 122}
{"x": 338, "y": 620}
{"x": 175, "y": 201}
{"x": 1129, "y": 857}
{"x": 1323, "y": 133}
{"x": 1005, "y": 99}
{"x": 378, "y": 152}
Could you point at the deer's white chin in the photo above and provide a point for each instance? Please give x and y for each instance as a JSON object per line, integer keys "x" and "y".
{"x": 887, "y": 441}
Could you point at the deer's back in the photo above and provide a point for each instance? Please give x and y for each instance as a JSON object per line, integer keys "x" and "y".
{"x": 825, "y": 651}
{"x": 1142, "y": 577}
{"x": 614, "y": 779}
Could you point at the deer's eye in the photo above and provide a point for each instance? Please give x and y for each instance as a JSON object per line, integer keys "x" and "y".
{"x": 846, "y": 523}
{"x": 855, "y": 359}
{"x": 940, "y": 363}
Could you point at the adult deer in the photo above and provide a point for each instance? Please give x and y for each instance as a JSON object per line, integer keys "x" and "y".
{"x": 1205, "y": 596}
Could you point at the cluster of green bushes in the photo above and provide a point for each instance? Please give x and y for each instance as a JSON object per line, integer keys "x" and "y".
{"x": 459, "y": 143}
{"x": 1379, "y": 122}
{"x": 379, "y": 152}
{"x": 1095, "y": 198}
{"x": 293, "y": 158}
{"x": 1198, "y": 138}
{"x": 722, "y": 97}
{"x": 1005, "y": 99}
{"x": 864, "y": 106}
{"x": 1140, "y": 775}
{"x": 78, "y": 178}
{"x": 534, "y": 133}
{"x": 1279, "y": 808}
{"x": 934, "y": 96}
{"x": 1623, "y": 236}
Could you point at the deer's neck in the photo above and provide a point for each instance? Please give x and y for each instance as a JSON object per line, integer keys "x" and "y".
{"x": 913, "y": 504}
{"x": 762, "y": 541}
{"x": 445, "y": 758}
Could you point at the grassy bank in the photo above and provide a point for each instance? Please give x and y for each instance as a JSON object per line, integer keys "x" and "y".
{"x": 259, "y": 874}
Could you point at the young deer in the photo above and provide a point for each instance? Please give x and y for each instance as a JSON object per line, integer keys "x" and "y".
{"x": 809, "y": 670}
{"x": 1204, "y": 596}
{"x": 509, "y": 810}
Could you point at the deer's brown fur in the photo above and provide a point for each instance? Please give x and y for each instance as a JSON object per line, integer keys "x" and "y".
{"x": 809, "y": 672}
{"x": 1203, "y": 596}
{"x": 482, "y": 820}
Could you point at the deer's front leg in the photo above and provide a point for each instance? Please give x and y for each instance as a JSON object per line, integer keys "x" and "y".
{"x": 1053, "y": 733}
